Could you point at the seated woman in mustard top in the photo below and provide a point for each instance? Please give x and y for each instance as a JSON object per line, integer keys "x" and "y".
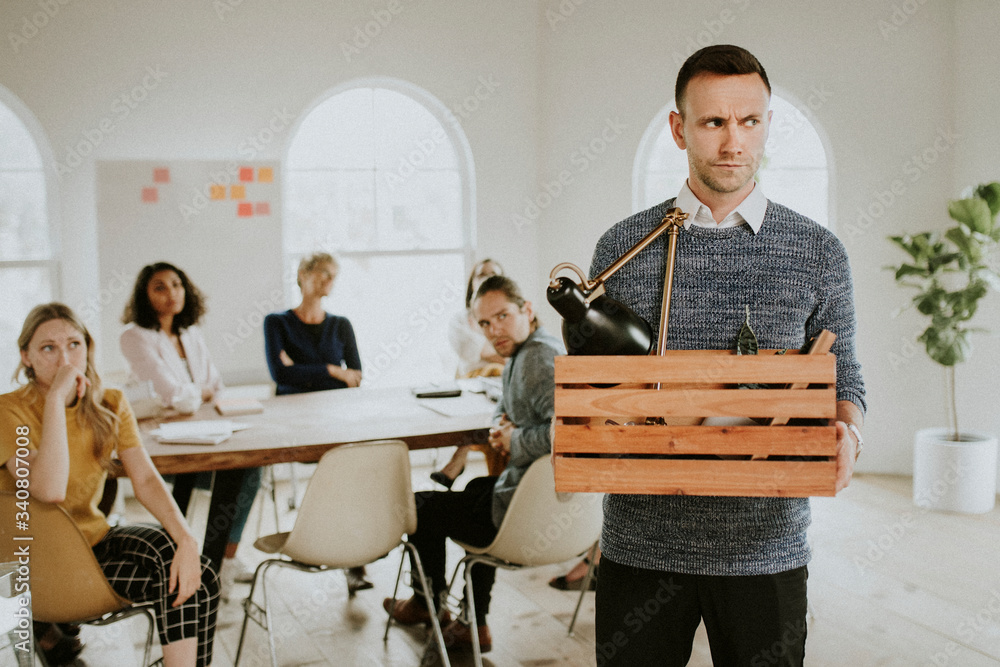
{"x": 164, "y": 345}
{"x": 75, "y": 427}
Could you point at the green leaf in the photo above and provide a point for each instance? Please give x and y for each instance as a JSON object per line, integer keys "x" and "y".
{"x": 974, "y": 212}
{"x": 910, "y": 270}
{"x": 990, "y": 192}
{"x": 965, "y": 243}
{"x": 746, "y": 342}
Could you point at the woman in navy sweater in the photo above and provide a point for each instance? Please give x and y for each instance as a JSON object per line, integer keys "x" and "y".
{"x": 308, "y": 349}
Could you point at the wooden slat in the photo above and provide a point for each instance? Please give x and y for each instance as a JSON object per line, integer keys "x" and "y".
{"x": 697, "y": 366}
{"x": 695, "y": 402}
{"x": 701, "y": 477}
{"x": 686, "y": 440}
{"x": 819, "y": 345}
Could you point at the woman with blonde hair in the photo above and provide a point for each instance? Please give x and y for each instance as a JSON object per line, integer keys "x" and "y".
{"x": 75, "y": 428}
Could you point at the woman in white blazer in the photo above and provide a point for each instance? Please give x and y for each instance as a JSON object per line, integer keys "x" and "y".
{"x": 162, "y": 341}
{"x": 163, "y": 344}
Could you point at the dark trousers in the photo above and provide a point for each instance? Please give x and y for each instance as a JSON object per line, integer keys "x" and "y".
{"x": 465, "y": 515}
{"x": 648, "y": 617}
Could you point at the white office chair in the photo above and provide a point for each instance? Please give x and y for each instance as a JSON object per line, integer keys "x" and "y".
{"x": 357, "y": 508}
{"x": 541, "y": 527}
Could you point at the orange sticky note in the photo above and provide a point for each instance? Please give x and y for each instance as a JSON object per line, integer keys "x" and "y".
{"x": 265, "y": 175}
{"x": 246, "y": 174}
{"x": 244, "y": 209}
{"x": 237, "y": 192}
{"x": 161, "y": 175}
{"x": 217, "y": 192}
{"x": 263, "y": 208}
{"x": 150, "y": 195}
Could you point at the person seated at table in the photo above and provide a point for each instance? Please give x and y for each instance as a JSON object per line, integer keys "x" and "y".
{"x": 163, "y": 344}
{"x": 522, "y": 424}
{"x": 476, "y": 358}
{"x": 74, "y": 427}
{"x": 308, "y": 349}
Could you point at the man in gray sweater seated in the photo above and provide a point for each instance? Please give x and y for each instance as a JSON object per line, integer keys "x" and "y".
{"x": 521, "y": 430}
{"x": 738, "y": 564}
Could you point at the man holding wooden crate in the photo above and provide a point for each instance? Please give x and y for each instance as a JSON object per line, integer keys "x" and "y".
{"x": 737, "y": 563}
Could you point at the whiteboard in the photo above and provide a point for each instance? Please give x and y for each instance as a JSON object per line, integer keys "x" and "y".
{"x": 219, "y": 222}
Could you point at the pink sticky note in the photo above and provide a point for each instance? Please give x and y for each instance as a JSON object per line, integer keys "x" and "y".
{"x": 246, "y": 174}
{"x": 263, "y": 208}
{"x": 150, "y": 195}
{"x": 244, "y": 209}
{"x": 161, "y": 175}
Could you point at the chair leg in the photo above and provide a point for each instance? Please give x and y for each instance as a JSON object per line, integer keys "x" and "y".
{"x": 395, "y": 590}
{"x": 149, "y": 636}
{"x": 585, "y": 586}
{"x": 470, "y": 611}
{"x": 248, "y": 605}
{"x": 428, "y": 597}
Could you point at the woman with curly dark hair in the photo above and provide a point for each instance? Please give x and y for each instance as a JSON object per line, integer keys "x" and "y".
{"x": 164, "y": 345}
{"x": 163, "y": 342}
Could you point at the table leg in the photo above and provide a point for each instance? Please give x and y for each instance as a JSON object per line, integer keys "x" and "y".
{"x": 221, "y": 510}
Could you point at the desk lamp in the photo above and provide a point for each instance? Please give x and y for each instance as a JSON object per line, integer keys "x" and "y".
{"x": 593, "y": 322}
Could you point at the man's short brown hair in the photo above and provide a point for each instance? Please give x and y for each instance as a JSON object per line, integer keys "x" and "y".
{"x": 724, "y": 59}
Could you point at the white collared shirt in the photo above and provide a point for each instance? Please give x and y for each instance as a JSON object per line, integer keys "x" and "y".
{"x": 751, "y": 210}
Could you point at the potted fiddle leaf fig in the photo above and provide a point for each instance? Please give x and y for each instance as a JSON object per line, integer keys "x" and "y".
{"x": 951, "y": 272}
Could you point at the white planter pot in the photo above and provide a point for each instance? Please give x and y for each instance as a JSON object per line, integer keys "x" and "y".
{"x": 954, "y": 476}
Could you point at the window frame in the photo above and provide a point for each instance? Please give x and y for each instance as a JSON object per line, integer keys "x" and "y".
{"x": 50, "y": 180}
{"x": 466, "y": 251}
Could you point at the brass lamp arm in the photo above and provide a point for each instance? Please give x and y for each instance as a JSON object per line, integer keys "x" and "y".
{"x": 594, "y": 288}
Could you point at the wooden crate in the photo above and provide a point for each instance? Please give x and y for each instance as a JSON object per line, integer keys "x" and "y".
{"x": 685, "y": 456}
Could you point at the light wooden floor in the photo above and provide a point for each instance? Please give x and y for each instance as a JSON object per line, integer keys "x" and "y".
{"x": 889, "y": 584}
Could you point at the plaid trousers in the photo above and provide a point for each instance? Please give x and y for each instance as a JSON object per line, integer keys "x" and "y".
{"x": 136, "y": 560}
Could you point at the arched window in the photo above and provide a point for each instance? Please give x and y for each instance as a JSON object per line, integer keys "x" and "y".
{"x": 28, "y": 264}
{"x": 795, "y": 170}
{"x": 380, "y": 175}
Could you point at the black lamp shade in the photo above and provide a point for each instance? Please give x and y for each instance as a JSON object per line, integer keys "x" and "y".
{"x": 604, "y": 326}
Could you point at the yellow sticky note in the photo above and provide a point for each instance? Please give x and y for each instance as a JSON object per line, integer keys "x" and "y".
{"x": 217, "y": 192}
{"x": 265, "y": 175}
{"x": 237, "y": 192}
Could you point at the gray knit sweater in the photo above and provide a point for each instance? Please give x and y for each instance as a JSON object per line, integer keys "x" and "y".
{"x": 795, "y": 277}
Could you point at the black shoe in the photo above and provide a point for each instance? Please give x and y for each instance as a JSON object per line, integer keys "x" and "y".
{"x": 563, "y": 584}
{"x": 63, "y": 649}
{"x": 356, "y": 580}
{"x": 443, "y": 479}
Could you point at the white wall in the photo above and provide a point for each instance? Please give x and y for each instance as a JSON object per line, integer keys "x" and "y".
{"x": 883, "y": 87}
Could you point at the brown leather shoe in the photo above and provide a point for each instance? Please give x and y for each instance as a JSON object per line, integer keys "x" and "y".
{"x": 411, "y": 612}
{"x": 457, "y": 636}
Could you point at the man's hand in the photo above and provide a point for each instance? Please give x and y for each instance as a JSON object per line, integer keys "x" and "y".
{"x": 847, "y": 444}
{"x": 500, "y": 435}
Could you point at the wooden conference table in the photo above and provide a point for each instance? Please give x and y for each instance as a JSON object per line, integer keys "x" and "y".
{"x": 301, "y": 427}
